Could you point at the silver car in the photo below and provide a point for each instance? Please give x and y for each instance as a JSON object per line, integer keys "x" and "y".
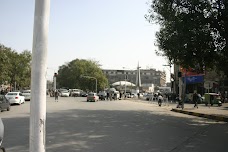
{"x": 92, "y": 97}
{"x": 27, "y": 94}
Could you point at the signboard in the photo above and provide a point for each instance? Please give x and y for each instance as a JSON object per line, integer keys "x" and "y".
{"x": 194, "y": 79}
{"x": 208, "y": 84}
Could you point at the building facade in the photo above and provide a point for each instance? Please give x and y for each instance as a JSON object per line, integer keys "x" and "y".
{"x": 148, "y": 76}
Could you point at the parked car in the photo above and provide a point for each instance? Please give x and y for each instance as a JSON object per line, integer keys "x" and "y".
{"x": 4, "y": 103}
{"x": 15, "y": 97}
{"x": 129, "y": 95}
{"x": 75, "y": 92}
{"x": 27, "y": 94}
{"x": 92, "y": 97}
{"x": 102, "y": 95}
{"x": 64, "y": 93}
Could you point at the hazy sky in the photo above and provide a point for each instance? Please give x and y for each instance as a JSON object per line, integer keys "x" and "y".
{"x": 113, "y": 32}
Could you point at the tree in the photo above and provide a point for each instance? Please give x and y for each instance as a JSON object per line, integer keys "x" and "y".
{"x": 25, "y": 68}
{"x": 70, "y": 75}
{"x": 4, "y": 63}
{"x": 193, "y": 32}
{"x": 15, "y": 67}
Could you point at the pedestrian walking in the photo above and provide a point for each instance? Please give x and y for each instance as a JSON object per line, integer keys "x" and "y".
{"x": 195, "y": 100}
{"x": 160, "y": 99}
{"x": 56, "y": 96}
{"x": 107, "y": 96}
{"x": 111, "y": 96}
{"x": 115, "y": 96}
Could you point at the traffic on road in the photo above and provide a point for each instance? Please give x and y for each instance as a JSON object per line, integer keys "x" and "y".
{"x": 129, "y": 125}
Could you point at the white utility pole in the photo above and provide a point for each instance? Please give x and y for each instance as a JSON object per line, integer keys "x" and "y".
{"x": 38, "y": 78}
{"x": 125, "y": 79}
{"x": 125, "y": 86}
{"x": 54, "y": 81}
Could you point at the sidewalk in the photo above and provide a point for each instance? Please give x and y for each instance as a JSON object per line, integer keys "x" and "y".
{"x": 211, "y": 112}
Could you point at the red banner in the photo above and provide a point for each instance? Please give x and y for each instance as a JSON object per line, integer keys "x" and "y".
{"x": 190, "y": 72}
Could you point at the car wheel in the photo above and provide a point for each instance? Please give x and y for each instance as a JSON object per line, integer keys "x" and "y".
{"x": 1, "y": 110}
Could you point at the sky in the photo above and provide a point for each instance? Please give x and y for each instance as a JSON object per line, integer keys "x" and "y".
{"x": 112, "y": 32}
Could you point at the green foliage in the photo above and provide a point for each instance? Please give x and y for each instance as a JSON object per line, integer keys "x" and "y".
{"x": 4, "y": 63}
{"x": 15, "y": 67}
{"x": 69, "y": 75}
{"x": 193, "y": 33}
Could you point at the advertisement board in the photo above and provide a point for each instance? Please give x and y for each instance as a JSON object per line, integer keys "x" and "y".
{"x": 194, "y": 79}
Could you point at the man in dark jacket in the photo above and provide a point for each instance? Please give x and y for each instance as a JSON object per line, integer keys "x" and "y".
{"x": 195, "y": 99}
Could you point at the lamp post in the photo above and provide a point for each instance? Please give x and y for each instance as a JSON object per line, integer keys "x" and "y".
{"x": 125, "y": 82}
{"x": 170, "y": 74}
{"x": 54, "y": 79}
{"x": 85, "y": 76}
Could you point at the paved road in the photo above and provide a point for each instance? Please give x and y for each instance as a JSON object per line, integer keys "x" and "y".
{"x": 74, "y": 125}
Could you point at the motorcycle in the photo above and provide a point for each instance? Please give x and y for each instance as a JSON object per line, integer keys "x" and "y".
{"x": 2, "y": 149}
{"x": 179, "y": 102}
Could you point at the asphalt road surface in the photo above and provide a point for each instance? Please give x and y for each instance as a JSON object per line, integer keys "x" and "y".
{"x": 74, "y": 125}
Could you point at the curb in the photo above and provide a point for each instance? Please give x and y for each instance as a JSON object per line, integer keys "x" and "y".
{"x": 208, "y": 116}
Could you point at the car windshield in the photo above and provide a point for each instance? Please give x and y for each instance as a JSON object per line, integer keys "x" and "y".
{"x": 26, "y": 91}
{"x": 91, "y": 94}
{"x": 12, "y": 94}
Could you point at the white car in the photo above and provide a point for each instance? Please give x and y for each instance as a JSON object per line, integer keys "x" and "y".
{"x": 15, "y": 97}
{"x": 65, "y": 94}
{"x": 75, "y": 92}
{"x": 27, "y": 94}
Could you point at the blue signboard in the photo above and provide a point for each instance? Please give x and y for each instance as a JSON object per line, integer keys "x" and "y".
{"x": 194, "y": 79}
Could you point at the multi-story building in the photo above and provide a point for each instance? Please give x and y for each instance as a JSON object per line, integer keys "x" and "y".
{"x": 148, "y": 76}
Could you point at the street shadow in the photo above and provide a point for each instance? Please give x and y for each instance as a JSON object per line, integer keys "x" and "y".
{"x": 224, "y": 108}
{"x": 79, "y": 130}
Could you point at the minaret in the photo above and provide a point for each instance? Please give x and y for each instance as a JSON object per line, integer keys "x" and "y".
{"x": 138, "y": 79}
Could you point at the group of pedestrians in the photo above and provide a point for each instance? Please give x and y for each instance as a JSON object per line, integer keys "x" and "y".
{"x": 111, "y": 96}
{"x": 162, "y": 99}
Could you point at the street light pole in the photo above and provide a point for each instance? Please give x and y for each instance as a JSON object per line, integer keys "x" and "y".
{"x": 96, "y": 85}
{"x": 38, "y": 77}
{"x": 125, "y": 83}
{"x": 85, "y": 76}
{"x": 170, "y": 74}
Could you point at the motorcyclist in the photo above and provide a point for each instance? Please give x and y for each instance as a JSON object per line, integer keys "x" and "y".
{"x": 160, "y": 99}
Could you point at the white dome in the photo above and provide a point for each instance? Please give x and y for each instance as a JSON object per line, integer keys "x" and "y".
{"x": 122, "y": 83}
